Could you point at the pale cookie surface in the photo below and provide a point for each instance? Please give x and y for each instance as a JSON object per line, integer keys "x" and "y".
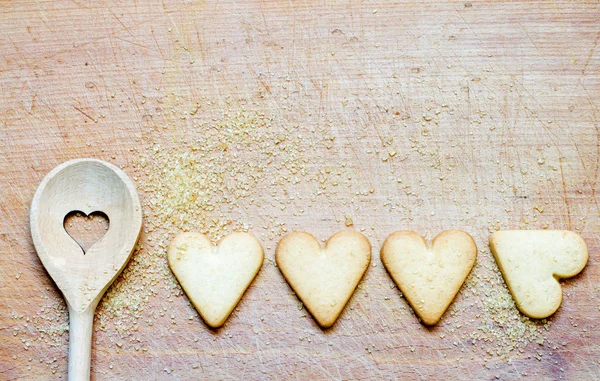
{"x": 531, "y": 261}
{"x": 215, "y": 277}
{"x": 429, "y": 276}
{"x": 324, "y": 278}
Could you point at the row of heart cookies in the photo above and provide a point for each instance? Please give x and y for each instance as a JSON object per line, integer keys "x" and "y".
{"x": 216, "y": 276}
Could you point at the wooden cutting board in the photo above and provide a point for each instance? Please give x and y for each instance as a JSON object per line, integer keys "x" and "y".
{"x": 320, "y": 117}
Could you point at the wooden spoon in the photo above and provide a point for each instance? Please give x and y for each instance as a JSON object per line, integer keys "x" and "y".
{"x": 85, "y": 185}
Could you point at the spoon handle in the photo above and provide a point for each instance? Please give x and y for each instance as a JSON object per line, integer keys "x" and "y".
{"x": 80, "y": 344}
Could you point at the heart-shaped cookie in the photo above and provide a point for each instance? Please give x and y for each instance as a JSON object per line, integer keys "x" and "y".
{"x": 532, "y": 261}
{"x": 429, "y": 276}
{"x": 215, "y": 277}
{"x": 324, "y": 278}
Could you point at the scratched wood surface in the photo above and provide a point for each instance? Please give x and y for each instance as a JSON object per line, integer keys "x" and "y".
{"x": 487, "y": 112}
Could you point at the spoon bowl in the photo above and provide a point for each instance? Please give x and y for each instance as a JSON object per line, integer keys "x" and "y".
{"x": 87, "y": 186}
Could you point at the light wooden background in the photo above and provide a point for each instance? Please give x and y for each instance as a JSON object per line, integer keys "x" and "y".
{"x": 487, "y": 112}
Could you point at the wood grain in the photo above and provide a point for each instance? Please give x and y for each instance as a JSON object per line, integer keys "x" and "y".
{"x": 486, "y": 111}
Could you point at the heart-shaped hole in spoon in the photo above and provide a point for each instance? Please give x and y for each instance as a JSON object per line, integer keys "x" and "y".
{"x": 86, "y": 230}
